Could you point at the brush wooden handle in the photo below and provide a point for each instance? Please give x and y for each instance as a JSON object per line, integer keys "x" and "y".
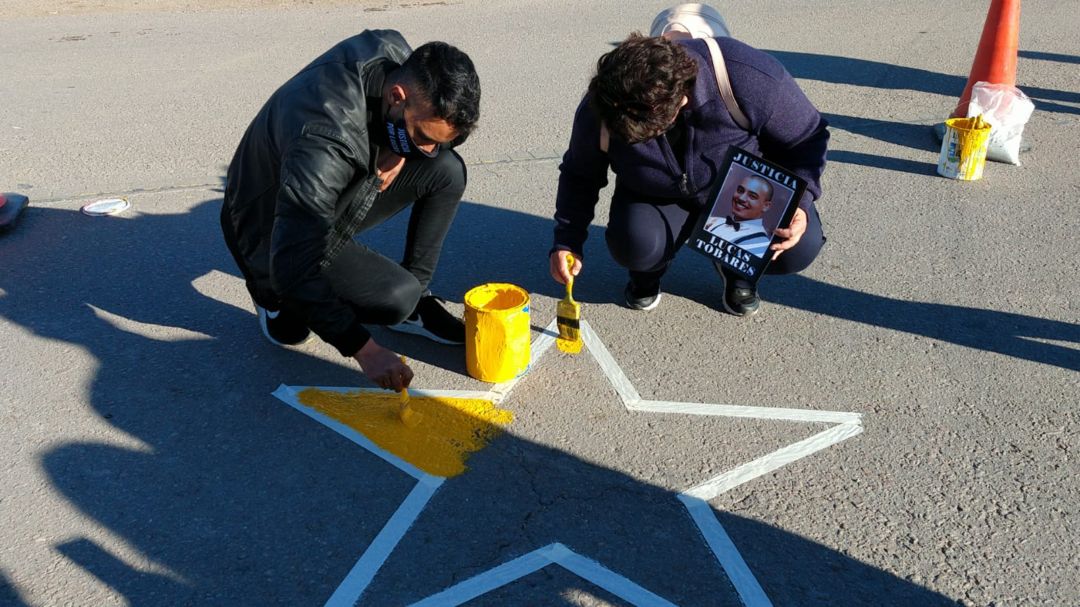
{"x": 570, "y": 273}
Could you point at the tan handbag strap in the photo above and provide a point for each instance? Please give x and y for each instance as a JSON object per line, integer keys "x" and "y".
{"x": 722, "y": 82}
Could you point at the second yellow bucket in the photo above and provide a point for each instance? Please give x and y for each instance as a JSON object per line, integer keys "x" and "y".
{"x": 497, "y": 331}
{"x": 963, "y": 150}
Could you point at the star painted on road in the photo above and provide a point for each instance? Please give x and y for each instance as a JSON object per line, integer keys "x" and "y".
{"x": 526, "y": 507}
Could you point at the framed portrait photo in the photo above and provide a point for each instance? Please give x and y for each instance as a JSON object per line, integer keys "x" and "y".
{"x": 752, "y": 198}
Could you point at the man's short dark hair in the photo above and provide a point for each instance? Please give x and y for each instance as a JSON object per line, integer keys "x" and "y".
{"x": 639, "y": 85}
{"x": 446, "y": 77}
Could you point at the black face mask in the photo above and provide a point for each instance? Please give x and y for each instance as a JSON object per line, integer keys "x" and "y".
{"x": 401, "y": 143}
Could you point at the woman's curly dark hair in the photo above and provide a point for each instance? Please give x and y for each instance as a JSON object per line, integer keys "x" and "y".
{"x": 639, "y": 85}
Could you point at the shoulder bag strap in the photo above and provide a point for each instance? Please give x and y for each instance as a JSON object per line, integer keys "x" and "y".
{"x": 724, "y": 83}
{"x": 605, "y": 138}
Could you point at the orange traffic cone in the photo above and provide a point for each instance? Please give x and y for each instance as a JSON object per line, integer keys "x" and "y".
{"x": 995, "y": 61}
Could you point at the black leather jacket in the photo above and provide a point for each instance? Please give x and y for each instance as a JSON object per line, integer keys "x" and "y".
{"x": 303, "y": 178}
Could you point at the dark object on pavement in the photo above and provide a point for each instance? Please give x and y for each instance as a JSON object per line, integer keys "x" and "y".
{"x": 11, "y": 207}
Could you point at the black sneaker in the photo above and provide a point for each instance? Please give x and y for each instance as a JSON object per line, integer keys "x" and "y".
{"x": 431, "y": 320}
{"x": 282, "y": 328}
{"x": 740, "y": 296}
{"x": 641, "y": 300}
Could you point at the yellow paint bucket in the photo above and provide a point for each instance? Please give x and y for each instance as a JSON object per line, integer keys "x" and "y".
{"x": 496, "y": 331}
{"x": 963, "y": 150}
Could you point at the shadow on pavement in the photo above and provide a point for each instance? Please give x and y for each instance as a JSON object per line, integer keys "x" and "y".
{"x": 887, "y": 76}
{"x": 233, "y": 498}
{"x": 1060, "y": 58}
{"x": 132, "y": 583}
{"x": 1005, "y": 333}
{"x": 883, "y": 162}
{"x": 8, "y": 595}
{"x": 220, "y": 495}
{"x": 523, "y": 260}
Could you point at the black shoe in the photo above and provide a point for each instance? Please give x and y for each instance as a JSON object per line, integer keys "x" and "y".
{"x": 282, "y": 328}
{"x": 646, "y": 299}
{"x": 431, "y": 320}
{"x": 740, "y": 296}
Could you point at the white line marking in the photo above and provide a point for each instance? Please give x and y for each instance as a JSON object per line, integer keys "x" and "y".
{"x": 472, "y": 394}
{"x": 537, "y": 348}
{"x": 524, "y": 565}
{"x": 489, "y": 580}
{"x": 610, "y": 368}
{"x": 288, "y": 395}
{"x": 772, "y": 413}
{"x": 484, "y": 395}
{"x": 694, "y": 499}
{"x": 609, "y": 580}
{"x": 354, "y": 584}
{"x": 735, "y": 567}
{"x": 768, "y": 463}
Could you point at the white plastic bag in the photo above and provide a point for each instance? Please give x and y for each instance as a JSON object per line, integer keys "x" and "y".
{"x": 1007, "y": 109}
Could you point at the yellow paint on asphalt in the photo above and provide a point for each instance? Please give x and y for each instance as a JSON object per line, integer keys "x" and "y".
{"x": 449, "y": 431}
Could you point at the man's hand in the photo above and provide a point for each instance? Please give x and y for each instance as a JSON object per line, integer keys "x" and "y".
{"x": 383, "y": 367}
{"x": 387, "y": 167}
{"x": 558, "y": 266}
{"x": 791, "y": 235}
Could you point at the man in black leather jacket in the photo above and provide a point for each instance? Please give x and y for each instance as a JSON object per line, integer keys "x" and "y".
{"x": 361, "y": 133}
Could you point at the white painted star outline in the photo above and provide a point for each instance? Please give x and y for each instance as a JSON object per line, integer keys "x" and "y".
{"x": 695, "y": 499}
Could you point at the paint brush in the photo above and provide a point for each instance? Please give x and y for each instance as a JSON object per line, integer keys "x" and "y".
{"x": 568, "y": 316}
{"x": 408, "y": 416}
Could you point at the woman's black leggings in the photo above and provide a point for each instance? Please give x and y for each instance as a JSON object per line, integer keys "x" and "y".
{"x": 644, "y": 238}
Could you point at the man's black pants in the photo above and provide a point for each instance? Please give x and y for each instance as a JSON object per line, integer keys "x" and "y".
{"x": 382, "y": 291}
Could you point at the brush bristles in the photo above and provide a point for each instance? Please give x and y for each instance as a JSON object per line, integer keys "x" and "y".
{"x": 568, "y": 319}
{"x": 569, "y": 339}
{"x": 569, "y": 334}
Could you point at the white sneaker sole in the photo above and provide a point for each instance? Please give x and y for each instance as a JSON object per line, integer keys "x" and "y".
{"x": 652, "y": 306}
{"x": 266, "y": 332}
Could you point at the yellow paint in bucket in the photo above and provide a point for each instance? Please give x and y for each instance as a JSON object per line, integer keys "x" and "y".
{"x": 449, "y": 430}
{"x": 496, "y": 331}
{"x": 963, "y": 150}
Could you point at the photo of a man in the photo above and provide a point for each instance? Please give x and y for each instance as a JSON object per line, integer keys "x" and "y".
{"x": 742, "y": 216}
{"x": 744, "y": 225}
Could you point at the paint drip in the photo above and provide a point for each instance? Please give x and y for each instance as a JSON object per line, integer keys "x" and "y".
{"x": 449, "y": 431}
